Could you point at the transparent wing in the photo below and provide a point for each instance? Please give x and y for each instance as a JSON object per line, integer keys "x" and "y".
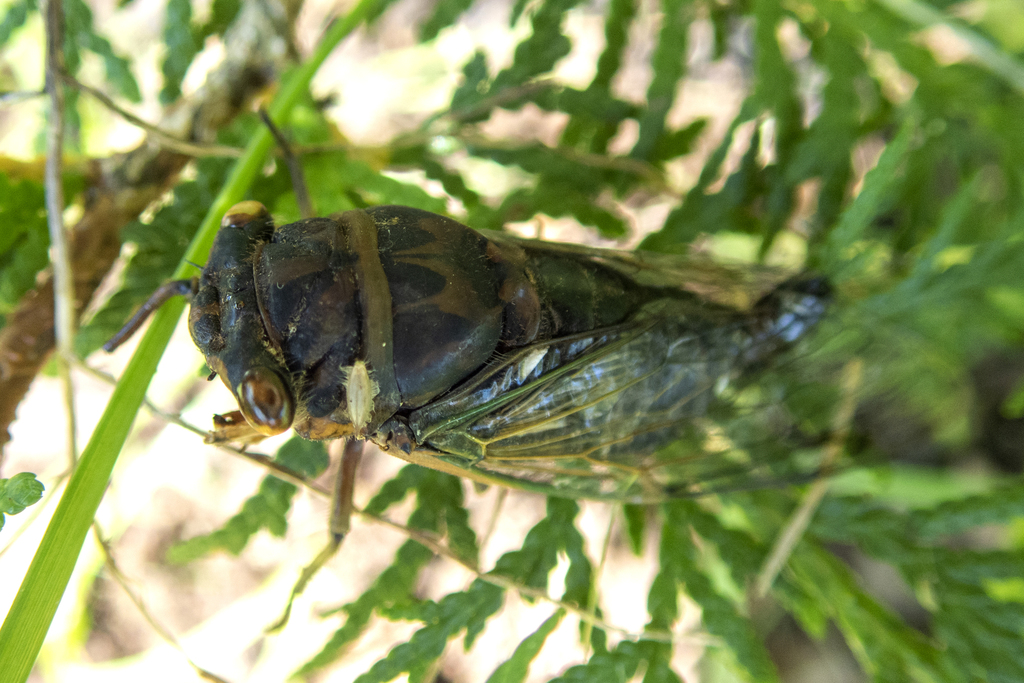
{"x": 738, "y": 286}
{"x": 588, "y": 416}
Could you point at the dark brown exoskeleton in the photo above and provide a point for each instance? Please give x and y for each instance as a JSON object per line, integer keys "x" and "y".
{"x": 554, "y": 367}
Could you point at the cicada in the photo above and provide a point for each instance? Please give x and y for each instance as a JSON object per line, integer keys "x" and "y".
{"x": 507, "y": 360}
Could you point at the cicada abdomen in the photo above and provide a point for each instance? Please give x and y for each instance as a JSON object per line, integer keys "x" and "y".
{"x": 506, "y": 359}
{"x": 586, "y": 414}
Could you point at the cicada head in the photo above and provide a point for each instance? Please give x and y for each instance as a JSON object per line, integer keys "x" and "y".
{"x": 227, "y": 325}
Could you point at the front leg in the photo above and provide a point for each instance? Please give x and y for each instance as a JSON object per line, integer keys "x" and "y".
{"x": 395, "y": 435}
{"x": 232, "y": 428}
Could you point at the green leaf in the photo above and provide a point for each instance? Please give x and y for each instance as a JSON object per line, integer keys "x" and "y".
{"x": 998, "y": 506}
{"x": 702, "y": 211}
{"x": 883, "y": 645}
{"x": 668, "y": 62}
{"x": 308, "y": 458}
{"x": 878, "y": 184}
{"x": 469, "y": 610}
{"x": 989, "y": 643}
{"x": 438, "y": 507}
{"x": 678, "y": 143}
{"x": 452, "y": 182}
{"x": 565, "y": 187}
{"x": 956, "y": 581}
{"x": 517, "y": 12}
{"x": 1013, "y": 406}
{"x": 19, "y": 492}
{"x": 454, "y": 613}
{"x": 658, "y": 657}
{"x": 222, "y": 13}
{"x": 392, "y": 587}
{"x": 80, "y": 30}
{"x": 540, "y": 51}
{"x": 636, "y": 526}
{"x": 15, "y": 18}
{"x": 824, "y": 150}
{"x": 596, "y": 114}
{"x": 445, "y": 14}
{"x": 24, "y": 242}
{"x": 515, "y": 668}
{"x": 474, "y": 83}
{"x": 182, "y": 47}
{"x": 533, "y": 562}
{"x": 377, "y": 10}
{"x": 679, "y": 561}
{"x": 616, "y": 35}
{"x": 394, "y": 489}
{"x": 616, "y": 666}
{"x": 775, "y": 91}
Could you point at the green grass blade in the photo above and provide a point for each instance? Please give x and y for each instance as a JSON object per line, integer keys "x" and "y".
{"x": 25, "y": 626}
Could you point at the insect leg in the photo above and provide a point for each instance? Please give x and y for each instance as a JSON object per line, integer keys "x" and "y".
{"x": 234, "y": 427}
{"x": 155, "y": 301}
{"x": 341, "y": 501}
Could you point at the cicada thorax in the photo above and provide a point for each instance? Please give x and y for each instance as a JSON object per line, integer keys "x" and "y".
{"x": 366, "y": 313}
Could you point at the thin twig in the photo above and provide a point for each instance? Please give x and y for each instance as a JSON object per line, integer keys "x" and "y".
{"x": 492, "y": 523}
{"x": 63, "y": 278}
{"x": 797, "y": 524}
{"x": 161, "y": 630}
{"x": 175, "y": 144}
{"x": 16, "y": 96}
{"x": 592, "y": 596}
{"x": 294, "y": 166}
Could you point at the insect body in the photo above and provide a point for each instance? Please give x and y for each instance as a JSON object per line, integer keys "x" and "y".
{"x": 508, "y": 360}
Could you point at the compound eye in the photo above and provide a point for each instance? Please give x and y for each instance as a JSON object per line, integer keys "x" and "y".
{"x": 265, "y": 401}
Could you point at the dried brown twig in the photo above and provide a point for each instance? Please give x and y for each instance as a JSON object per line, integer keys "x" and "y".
{"x": 165, "y": 139}
{"x": 63, "y": 281}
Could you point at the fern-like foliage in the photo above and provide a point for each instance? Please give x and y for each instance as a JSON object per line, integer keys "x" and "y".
{"x": 25, "y": 241}
{"x": 894, "y": 167}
